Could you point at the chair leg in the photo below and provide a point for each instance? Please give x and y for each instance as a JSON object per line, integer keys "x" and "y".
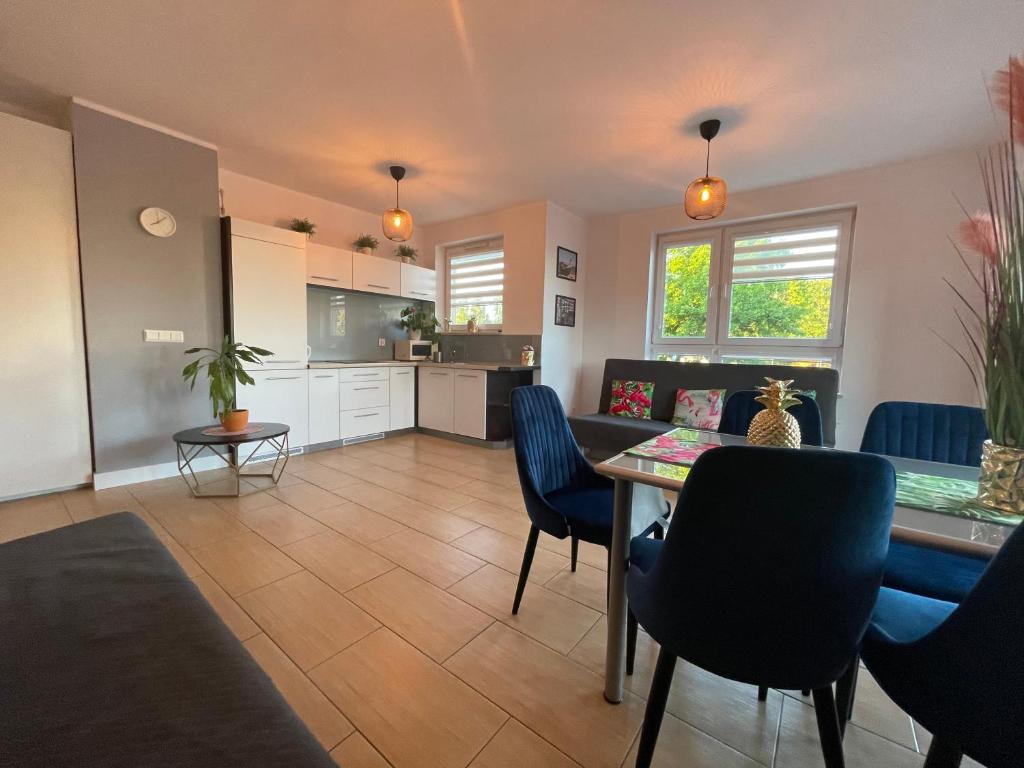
{"x": 846, "y": 689}
{"x": 575, "y": 553}
{"x": 762, "y": 693}
{"x": 655, "y": 707}
{"x": 942, "y": 754}
{"x": 524, "y": 571}
{"x": 632, "y": 626}
{"x": 828, "y": 727}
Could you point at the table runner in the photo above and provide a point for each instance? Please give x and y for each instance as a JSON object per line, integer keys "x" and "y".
{"x": 947, "y": 496}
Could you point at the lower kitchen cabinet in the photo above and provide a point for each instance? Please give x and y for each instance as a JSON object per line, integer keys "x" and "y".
{"x": 365, "y": 421}
{"x": 324, "y": 406}
{"x": 280, "y": 396}
{"x": 403, "y": 397}
{"x": 469, "y": 404}
{"x": 436, "y": 399}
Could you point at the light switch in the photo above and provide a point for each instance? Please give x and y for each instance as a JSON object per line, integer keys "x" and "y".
{"x": 175, "y": 337}
{"x": 382, "y": 343}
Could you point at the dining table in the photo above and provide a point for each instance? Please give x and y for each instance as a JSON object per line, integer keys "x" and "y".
{"x": 935, "y": 507}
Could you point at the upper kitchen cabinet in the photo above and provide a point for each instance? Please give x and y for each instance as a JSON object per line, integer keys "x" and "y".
{"x": 328, "y": 266}
{"x": 265, "y": 289}
{"x": 418, "y": 283}
{"x": 376, "y": 275}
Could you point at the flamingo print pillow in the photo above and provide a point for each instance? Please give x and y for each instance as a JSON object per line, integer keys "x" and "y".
{"x": 699, "y": 408}
{"x": 631, "y": 399}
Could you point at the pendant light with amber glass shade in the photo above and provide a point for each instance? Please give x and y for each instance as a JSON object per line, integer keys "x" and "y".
{"x": 397, "y": 222}
{"x": 706, "y": 196}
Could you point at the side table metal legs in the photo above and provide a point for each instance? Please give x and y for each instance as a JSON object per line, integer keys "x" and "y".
{"x": 189, "y": 453}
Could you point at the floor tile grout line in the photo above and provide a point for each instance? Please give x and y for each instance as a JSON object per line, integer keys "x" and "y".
{"x": 470, "y": 640}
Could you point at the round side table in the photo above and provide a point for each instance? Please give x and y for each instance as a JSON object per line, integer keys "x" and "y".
{"x": 190, "y": 443}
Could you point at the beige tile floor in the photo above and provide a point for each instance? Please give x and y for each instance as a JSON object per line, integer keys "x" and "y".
{"x": 374, "y": 585}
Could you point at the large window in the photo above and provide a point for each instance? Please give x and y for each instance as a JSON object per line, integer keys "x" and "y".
{"x": 476, "y": 273}
{"x": 769, "y": 292}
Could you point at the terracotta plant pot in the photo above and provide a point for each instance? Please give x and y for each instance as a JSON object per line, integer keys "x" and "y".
{"x": 235, "y": 421}
{"x": 366, "y": 250}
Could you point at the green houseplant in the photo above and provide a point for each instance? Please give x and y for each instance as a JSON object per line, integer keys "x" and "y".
{"x": 995, "y": 328}
{"x": 366, "y": 243}
{"x": 303, "y": 225}
{"x": 224, "y": 370}
{"x": 416, "y": 322}
{"x": 407, "y": 253}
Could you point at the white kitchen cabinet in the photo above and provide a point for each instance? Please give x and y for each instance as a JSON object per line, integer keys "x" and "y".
{"x": 403, "y": 397}
{"x": 469, "y": 404}
{"x": 328, "y": 266}
{"x": 418, "y": 282}
{"x": 364, "y": 394}
{"x": 268, "y": 291}
{"x": 324, "y": 406}
{"x": 376, "y": 275}
{"x": 365, "y": 421}
{"x": 436, "y": 398}
{"x": 278, "y": 396}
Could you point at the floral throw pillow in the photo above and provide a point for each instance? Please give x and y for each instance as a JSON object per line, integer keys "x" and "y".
{"x": 631, "y": 399}
{"x": 699, "y": 408}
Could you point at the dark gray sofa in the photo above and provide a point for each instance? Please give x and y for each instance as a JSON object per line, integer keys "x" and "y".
{"x": 110, "y": 656}
{"x": 603, "y": 435}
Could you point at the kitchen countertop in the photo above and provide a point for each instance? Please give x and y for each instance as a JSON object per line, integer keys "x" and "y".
{"x": 481, "y": 366}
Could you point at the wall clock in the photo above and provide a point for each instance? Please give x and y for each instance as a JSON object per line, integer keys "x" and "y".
{"x": 158, "y": 222}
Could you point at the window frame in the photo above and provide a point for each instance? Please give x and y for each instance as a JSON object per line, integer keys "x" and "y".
{"x": 717, "y": 344}
{"x": 483, "y": 245}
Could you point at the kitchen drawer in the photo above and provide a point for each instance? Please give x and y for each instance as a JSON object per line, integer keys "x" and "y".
{"x": 379, "y": 373}
{"x": 366, "y": 421}
{"x": 364, "y": 394}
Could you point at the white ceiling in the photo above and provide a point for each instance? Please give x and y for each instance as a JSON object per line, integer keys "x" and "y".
{"x": 592, "y": 104}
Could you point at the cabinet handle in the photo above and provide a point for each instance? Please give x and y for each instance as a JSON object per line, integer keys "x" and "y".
{"x": 324, "y": 277}
{"x": 467, "y": 376}
{"x": 284, "y": 361}
{"x": 323, "y": 376}
{"x": 363, "y": 389}
{"x": 419, "y": 293}
{"x": 402, "y": 373}
{"x": 281, "y": 378}
{"x": 435, "y": 373}
{"x": 365, "y": 415}
{"x": 375, "y": 285}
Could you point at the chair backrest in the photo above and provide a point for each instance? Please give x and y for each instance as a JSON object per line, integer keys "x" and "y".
{"x": 547, "y": 456}
{"x": 970, "y": 669}
{"x": 772, "y": 563}
{"x": 951, "y": 434}
{"x": 741, "y": 407}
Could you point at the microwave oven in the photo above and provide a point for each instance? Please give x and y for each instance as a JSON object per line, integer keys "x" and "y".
{"x": 407, "y": 349}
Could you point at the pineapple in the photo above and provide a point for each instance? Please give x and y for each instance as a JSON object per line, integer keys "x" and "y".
{"x": 773, "y": 425}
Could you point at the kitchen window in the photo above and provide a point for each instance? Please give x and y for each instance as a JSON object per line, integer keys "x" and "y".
{"x": 769, "y": 292}
{"x": 476, "y": 273}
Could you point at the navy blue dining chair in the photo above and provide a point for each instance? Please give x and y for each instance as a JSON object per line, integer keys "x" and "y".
{"x": 949, "y": 434}
{"x": 564, "y": 496}
{"x": 741, "y": 407}
{"x": 957, "y": 669}
{"x": 770, "y": 581}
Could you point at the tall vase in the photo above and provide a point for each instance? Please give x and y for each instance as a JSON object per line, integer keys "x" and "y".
{"x": 1001, "y": 485}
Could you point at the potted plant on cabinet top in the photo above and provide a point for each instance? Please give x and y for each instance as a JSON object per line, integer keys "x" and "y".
{"x": 223, "y": 369}
{"x": 303, "y": 225}
{"x": 416, "y": 321}
{"x": 406, "y": 253}
{"x": 366, "y": 243}
{"x": 995, "y": 330}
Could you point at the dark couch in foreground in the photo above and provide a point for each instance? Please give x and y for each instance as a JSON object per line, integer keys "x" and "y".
{"x": 603, "y": 435}
{"x": 110, "y": 656}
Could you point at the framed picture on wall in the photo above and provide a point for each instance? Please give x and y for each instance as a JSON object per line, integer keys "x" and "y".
{"x": 565, "y": 264}
{"x": 565, "y": 311}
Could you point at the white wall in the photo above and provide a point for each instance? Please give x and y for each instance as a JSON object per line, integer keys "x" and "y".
{"x": 562, "y": 346}
{"x": 336, "y": 224}
{"x": 43, "y": 406}
{"x": 524, "y": 228}
{"x": 898, "y": 305}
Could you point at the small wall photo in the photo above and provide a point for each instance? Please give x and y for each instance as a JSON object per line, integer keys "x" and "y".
{"x": 565, "y": 264}
{"x": 565, "y": 311}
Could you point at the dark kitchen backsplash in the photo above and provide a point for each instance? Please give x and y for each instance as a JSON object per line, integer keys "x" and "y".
{"x": 486, "y": 347}
{"x": 346, "y": 325}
